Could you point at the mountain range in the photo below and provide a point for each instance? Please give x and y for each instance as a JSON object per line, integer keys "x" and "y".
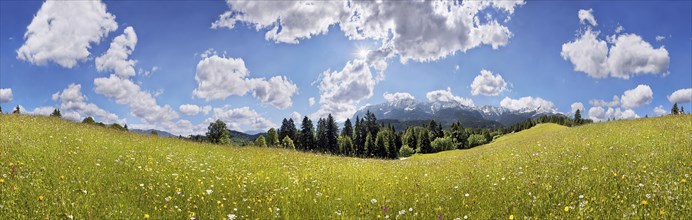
{"x": 410, "y": 112}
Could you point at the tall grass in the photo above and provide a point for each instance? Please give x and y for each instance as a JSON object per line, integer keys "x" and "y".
{"x": 53, "y": 168}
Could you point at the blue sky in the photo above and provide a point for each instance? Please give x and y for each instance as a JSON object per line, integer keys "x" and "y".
{"x": 539, "y": 54}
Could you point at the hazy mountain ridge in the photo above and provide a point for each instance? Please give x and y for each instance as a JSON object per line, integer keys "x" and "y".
{"x": 409, "y": 112}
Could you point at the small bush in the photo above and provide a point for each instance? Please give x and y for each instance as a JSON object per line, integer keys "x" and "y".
{"x": 405, "y": 151}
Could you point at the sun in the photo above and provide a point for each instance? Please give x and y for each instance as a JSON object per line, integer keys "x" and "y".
{"x": 361, "y": 52}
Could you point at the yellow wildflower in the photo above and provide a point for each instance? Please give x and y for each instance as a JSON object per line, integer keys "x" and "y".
{"x": 644, "y": 202}
{"x": 40, "y": 198}
{"x": 661, "y": 212}
{"x": 146, "y": 216}
{"x": 2, "y": 180}
{"x": 511, "y": 217}
{"x": 566, "y": 209}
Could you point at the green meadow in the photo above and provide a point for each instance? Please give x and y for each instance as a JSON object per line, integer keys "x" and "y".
{"x": 56, "y": 169}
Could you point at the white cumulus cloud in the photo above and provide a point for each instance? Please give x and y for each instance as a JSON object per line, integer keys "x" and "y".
{"x": 73, "y": 106}
{"x": 311, "y": 101}
{"x": 488, "y": 84}
{"x": 601, "y": 114}
{"x": 679, "y": 96}
{"x": 190, "y": 109}
{"x": 446, "y": 96}
{"x": 341, "y": 91}
{"x": 587, "y": 16}
{"x": 393, "y": 97}
{"x": 621, "y": 55}
{"x": 528, "y": 103}
{"x": 220, "y": 77}
{"x": 659, "y": 110}
{"x": 116, "y": 58}
{"x": 63, "y": 32}
{"x": 242, "y": 118}
{"x": 5, "y": 95}
{"x": 577, "y": 105}
{"x": 636, "y": 97}
{"x": 603, "y": 103}
{"x": 417, "y": 30}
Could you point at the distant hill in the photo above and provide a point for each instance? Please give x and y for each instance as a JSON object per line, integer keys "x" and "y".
{"x": 242, "y": 138}
{"x": 409, "y": 112}
{"x": 148, "y": 131}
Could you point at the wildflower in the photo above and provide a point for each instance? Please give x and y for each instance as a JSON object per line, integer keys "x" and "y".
{"x": 683, "y": 181}
{"x": 62, "y": 177}
{"x": 384, "y": 208}
{"x": 373, "y": 201}
{"x": 2, "y": 180}
{"x": 511, "y": 217}
{"x": 661, "y": 212}
{"x": 401, "y": 212}
{"x": 40, "y": 198}
{"x": 70, "y": 216}
{"x": 466, "y": 217}
{"x": 644, "y": 202}
{"x": 566, "y": 208}
{"x": 581, "y": 196}
{"x": 209, "y": 191}
{"x": 146, "y": 216}
{"x": 410, "y": 209}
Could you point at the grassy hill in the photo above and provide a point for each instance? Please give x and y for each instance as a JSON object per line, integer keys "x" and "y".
{"x": 53, "y": 168}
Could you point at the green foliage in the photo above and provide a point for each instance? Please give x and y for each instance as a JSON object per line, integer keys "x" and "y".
{"x": 56, "y": 113}
{"x": 16, "y": 110}
{"x": 476, "y": 140}
{"x": 154, "y": 133}
{"x": 260, "y": 142}
{"x": 88, "y": 120}
{"x": 288, "y": 143}
{"x": 321, "y": 136}
{"x": 597, "y": 171}
{"x": 577, "y": 117}
{"x": 424, "y": 141}
{"x": 442, "y": 144}
{"x": 675, "y": 109}
{"x": 117, "y": 126}
{"x": 288, "y": 128}
{"x": 272, "y": 137}
{"x": 307, "y": 135}
{"x": 369, "y": 145}
{"x": 218, "y": 133}
{"x": 405, "y": 151}
{"x": 346, "y": 145}
{"x": 332, "y": 133}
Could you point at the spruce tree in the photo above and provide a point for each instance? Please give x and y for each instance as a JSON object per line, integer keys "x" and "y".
{"x": 56, "y": 113}
{"x": 577, "y": 117}
{"x": 307, "y": 135}
{"x": 16, "y": 110}
{"x": 674, "y": 111}
{"x": 348, "y": 129}
{"x": 369, "y": 145}
{"x": 322, "y": 142}
{"x": 332, "y": 134}
{"x": 424, "y": 141}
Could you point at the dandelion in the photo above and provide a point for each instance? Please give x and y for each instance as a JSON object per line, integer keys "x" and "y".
{"x": 2, "y": 180}
{"x": 40, "y": 198}
{"x": 146, "y": 216}
{"x": 566, "y": 208}
{"x": 661, "y": 212}
{"x": 644, "y": 202}
{"x": 511, "y": 217}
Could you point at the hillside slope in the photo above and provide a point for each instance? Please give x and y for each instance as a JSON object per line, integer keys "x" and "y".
{"x": 53, "y": 168}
